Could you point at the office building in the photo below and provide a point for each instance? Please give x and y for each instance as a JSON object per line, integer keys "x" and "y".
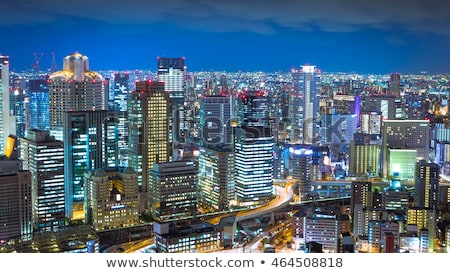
{"x": 173, "y": 191}
{"x": 402, "y": 164}
{"x": 111, "y": 198}
{"x": 215, "y": 121}
{"x": 216, "y": 184}
{"x": 253, "y": 157}
{"x": 172, "y": 71}
{"x": 39, "y": 104}
{"x": 148, "y": 112}
{"x": 405, "y": 134}
{"x": 253, "y": 109}
{"x": 90, "y": 142}
{"x": 43, "y": 156}
{"x": 389, "y": 106}
{"x": 15, "y": 205}
{"x": 301, "y": 163}
{"x": 75, "y": 88}
{"x": 364, "y": 159}
{"x": 304, "y": 105}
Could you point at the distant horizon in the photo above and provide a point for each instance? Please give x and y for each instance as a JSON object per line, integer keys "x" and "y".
{"x": 365, "y": 37}
{"x": 46, "y": 65}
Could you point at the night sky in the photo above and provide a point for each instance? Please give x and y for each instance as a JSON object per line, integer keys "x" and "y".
{"x": 379, "y": 36}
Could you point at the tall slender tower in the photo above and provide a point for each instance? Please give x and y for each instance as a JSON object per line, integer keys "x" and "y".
{"x": 75, "y": 88}
{"x": 148, "y": 112}
{"x": 7, "y": 121}
{"x": 304, "y": 105}
{"x": 172, "y": 72}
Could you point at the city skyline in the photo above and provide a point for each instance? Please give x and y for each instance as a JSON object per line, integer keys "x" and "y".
{"x": 346, "y": 36}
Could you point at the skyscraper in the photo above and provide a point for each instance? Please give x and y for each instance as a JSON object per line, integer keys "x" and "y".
{"x": 148, "y": 117}
{"x": 304, "y": 104}
{"x": 43, "y": 156}
{"x": 39, "y": 104}
{"x": 7, "y": 121}
{"x": 75, "y": 88}
{"x": 253, "y": 149}
{"x": 253, "y": 109}
{"x": 172, "y": 72}
{"x": 90, "y": 142}
{"x": 215, "y": 121}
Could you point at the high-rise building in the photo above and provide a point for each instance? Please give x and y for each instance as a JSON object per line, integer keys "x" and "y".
{"x": 173, "y": 191}
{"x": 111, "y": 198}
{"x": 15, "y": 205}
{"x": 253, "y": 152}
{"x": 90, "y": 142}
{"x": 364, "y": 159}
{"x": 253, "y": 109}
{"x": 75, "y": 88}
{"x": 216, "y": 178}
{"x": 172, "y": 71}
{"x": 19, "y": 104}
{"x": 426, "y": 187}
{"x": 121, "y": 91}
{"x": 39, "y": 104}
{"x": 148, "y": 121}
{"x": 7, "y": 120}
{"x": 304, "y": 105}
{"x": 215, "y": 121}
{"x": 394, "y": 84}
{"x": 121, "y": 94}
{"x": 389, "y": 106}
{"x": 405, "y": 134}
{"x": 43, "y": 156}
{"x": 301, "y": 163}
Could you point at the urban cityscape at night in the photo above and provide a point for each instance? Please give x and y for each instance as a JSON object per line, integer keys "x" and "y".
{"x": 276, "y": 145}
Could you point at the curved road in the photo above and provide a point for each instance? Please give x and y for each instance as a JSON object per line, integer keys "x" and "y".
{"x": 282, "y": 199}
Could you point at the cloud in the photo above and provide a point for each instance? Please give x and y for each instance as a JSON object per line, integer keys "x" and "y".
{"x": 260, "y": 16}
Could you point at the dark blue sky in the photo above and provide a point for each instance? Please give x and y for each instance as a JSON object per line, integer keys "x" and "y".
{"x": 381, "y": 36}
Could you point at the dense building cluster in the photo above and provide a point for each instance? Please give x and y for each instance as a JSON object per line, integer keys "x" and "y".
{"x": 109, "y": 149}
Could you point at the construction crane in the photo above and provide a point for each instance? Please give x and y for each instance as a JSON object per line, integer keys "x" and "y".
{"x": 54, "y": 67}
{"x": 35, "y": 65}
